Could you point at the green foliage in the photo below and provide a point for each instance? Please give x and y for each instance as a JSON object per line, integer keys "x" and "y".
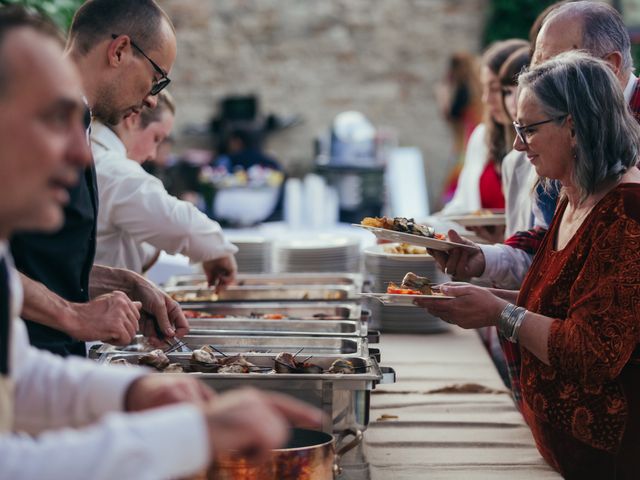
{"x": 61, "y": 11}
{"x": 512, "y": 18}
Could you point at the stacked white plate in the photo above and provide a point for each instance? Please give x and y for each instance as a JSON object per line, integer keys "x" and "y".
{"x": 382, "y": 268}
{"x": 254, "y": 254}
{"x": 320, "y": 253}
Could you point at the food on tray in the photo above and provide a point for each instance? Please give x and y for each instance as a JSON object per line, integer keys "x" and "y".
{"x": 156, "y": 359}
{"x": 197, "y": 314}
{"x": 287, "y": 363}
{"x": 208, "y": 360}
{"x": 342, "y": 365}
{"x": 273, "y": 316}
{"x": 268, "y": 316}
{"x": 402, "y": 224}
{"x": 199, "y": 296}
{"x": 404, "y": 249}
{"x": 412, "y": 284}
{"x": 174, "y": 368}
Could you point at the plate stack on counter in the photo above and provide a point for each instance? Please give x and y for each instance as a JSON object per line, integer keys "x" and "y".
{"x": 254, "y": 254}
{"x": 304, "y": 334}
{"x": 322, "y": 253}
{"x": 382, "y": 266}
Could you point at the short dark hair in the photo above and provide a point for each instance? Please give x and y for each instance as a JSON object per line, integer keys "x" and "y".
{"x": 97, "y": 20}
{"x": 150, "y": 115}
{"x": 17, "y": 16}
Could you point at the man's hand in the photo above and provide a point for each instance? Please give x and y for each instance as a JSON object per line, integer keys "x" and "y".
{"x": 159, "y": 307}
{"x": 156, "y": 390}
{"x": 155, "y": 303}
{"x": 249, "y": 420}
{"x": 221, "y": 272}
{"x": 460, "y": 263}
{"x": 111, "y": 318}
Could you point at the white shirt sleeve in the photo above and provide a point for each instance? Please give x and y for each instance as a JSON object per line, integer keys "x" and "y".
{"x": 170, "y": 442}
{"x": 136, "y": 202}
{"x": 467, "y": 196}
{"x": 505, "y": 266}
{"x": 52, "y": 392}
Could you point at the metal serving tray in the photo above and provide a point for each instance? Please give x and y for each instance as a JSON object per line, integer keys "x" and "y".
{"x": 187, "y": 295}
{"x": 260, "y": 345}
{"x": 252, "y": 326}
{"x": 270, "y": 279}
{"x": 298, "y": 310}
{"x": 344, "y": 398}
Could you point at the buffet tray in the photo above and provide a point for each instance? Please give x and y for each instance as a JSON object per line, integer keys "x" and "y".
{"x": 345, "y": 398}
{"x": 271, "y": 279}
{"x": 252, "y": 326}
{"x": 256, "y": 345}
{"x": 297, "y": 310}
{"x": 257, "y": 293}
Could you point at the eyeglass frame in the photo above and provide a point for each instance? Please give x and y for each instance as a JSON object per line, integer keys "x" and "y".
{"x": 158, "y": 85}
{"x": 520, "y": 129}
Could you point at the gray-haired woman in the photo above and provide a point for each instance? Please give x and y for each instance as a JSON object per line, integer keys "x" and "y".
{"x": 574, "y": 327}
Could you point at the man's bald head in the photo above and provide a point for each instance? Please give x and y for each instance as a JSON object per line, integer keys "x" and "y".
{"x": 594, "y": 27}
{"x": 97, "y": 20}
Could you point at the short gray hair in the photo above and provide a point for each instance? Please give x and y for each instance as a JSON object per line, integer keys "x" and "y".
{"x": 603, "y": 29}
{"x": 607, "y": 135}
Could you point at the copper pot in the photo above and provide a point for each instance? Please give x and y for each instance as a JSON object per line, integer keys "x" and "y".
{"x": 309, "y": 455}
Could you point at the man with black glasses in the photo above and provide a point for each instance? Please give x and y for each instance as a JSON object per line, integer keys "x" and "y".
{"x": 68, "y": 299}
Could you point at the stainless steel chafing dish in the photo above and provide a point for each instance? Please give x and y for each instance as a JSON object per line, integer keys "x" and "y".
{"x": 298, "y": 310}
{"x": 251, "y": 326}
{"x": 259, "y": 345}
{"x": 264, "y": 293}
{"x": 270, "y": 279}
{"x": 343, "y": 397}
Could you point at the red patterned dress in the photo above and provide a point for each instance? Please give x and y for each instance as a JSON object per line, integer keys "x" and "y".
{"x": 584, "y": 409}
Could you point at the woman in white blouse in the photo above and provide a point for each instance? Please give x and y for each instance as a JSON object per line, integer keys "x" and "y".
{"x": 137, "y": 215}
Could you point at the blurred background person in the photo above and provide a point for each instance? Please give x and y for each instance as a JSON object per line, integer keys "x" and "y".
{"x": 460, "y": 103}
{"x": 136, "y": 209}
{"x": 479, "y": 184}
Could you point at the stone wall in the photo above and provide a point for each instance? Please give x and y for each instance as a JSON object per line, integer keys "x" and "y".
{"x": 319, "y": 57}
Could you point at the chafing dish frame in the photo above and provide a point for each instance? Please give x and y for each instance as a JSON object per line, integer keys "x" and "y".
{"x": 297, "y": 310}
{"x": 275, "y": 279}
{"x": 345, "y": 398}
{"x": 263, "y": 293}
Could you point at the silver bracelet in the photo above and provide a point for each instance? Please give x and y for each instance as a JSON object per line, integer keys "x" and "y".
{"x": 510, "y": 320}
{"x": 519, "y": 318}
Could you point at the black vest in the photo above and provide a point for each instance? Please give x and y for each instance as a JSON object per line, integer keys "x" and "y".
{"x": 62, "y": 261}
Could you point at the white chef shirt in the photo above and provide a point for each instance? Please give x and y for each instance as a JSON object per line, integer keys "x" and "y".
{"x": 135, "y": 208}
{"x": 55, "y": 394}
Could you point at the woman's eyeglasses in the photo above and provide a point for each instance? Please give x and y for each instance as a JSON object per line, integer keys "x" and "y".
{"x": 523, "y": 131}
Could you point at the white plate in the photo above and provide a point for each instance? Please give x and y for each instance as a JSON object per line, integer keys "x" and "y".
{"x": 401, "y": 300}
{"x": 378, "y": 251}
{"x": 393, "y": 236}
{"x": 496, "y": 219}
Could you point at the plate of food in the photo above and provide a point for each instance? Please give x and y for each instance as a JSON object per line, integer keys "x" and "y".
{"x": 412, "y": 287}
{"x": 406, "y": 230}
{"x": 480, "y": 218}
